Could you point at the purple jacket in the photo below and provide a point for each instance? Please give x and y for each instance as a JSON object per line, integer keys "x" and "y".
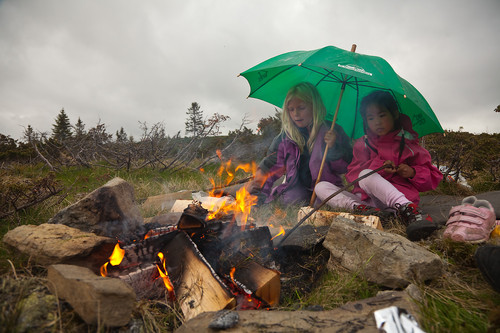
{"x": 371, "y": 151}
{"x": 283, "y": 159}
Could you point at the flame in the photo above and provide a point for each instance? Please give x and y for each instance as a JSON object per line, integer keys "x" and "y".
{"x": 104, "y": 269}
{"x": 245, "y": 201}
{"x": 117, "y": 256}
{"x": 282, "y": 232}
{"x": 115, "y": 259}
{"x": 164, "y": 274}
{"x": 231, "y": 274}
{"x": 241, "y": 207}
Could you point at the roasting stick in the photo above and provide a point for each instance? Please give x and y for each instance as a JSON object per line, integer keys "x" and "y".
{"x": 326, "y": 200}
{"x": 342, "y": 89}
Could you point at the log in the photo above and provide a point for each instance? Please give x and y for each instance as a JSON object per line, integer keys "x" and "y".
{"x": 197, "y": 287}
{"x": 146, "y": 282}
{"x": 164, "y": 202}
{"x": 323, "y": 217}
{"x": 261, "y": 281}
{"x": 210, "y": 203}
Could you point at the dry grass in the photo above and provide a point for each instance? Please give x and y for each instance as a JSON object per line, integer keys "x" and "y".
{"x": 460, "y": 301}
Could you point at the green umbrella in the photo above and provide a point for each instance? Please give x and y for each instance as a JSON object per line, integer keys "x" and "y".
{"x": 343, "y": 78}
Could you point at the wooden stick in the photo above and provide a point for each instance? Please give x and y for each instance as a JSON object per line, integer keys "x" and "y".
{"x": 313, "y": 197}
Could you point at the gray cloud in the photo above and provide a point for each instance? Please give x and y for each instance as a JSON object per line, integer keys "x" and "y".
{"x": 124, "y": 62}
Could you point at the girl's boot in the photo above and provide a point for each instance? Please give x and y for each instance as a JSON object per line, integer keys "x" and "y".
{"x": 418, "y": 227}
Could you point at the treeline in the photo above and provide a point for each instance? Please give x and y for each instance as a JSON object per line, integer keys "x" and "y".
{"x": 74, "y": 145}
{"x": 474, "y": 156}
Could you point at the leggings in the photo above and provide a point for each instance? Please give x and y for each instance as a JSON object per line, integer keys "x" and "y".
{"x": 382, "y": 193}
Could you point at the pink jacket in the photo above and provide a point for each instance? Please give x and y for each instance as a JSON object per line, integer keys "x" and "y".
{"x": 371, "y": 151}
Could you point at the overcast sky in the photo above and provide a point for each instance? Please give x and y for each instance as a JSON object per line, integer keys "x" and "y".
{"x": 123, "y": 62}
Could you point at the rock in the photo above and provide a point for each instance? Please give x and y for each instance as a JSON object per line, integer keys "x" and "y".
{"x": 304, "y": 238}
{"x": 36, "y": 310}
{"x": 95, "y": 298}
{"x": 166, "y": 219}
{"x": 110, "y": 211}
{"x": 351, "y": 317}
{"x": 380, "y": 257}
{"x": 56, "y": 243}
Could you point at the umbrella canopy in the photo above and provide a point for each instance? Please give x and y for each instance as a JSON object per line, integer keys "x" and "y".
{"x": 330, "y": 69}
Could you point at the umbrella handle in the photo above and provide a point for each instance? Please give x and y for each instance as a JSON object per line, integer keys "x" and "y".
{"x": 313, "y": 197}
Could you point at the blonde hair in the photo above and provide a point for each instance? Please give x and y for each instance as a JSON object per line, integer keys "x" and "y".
{"x": 310, "y": 95}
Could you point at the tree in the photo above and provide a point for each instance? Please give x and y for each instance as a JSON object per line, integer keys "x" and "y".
{"x": 121, "y": 136}
{"x": 61, "y": 130}
{"x": 194, "y": 122}
{"x": 79, "y": 128}
{"x": 270, "y": 126}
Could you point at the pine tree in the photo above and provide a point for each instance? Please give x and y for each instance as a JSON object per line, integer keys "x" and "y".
{"x": 79, "y": 128}
{"x": 121, "y": 136}
{"x": 194, "y": 122}
{"x": 61, "y": 130}
{"x": 29, "y": 134}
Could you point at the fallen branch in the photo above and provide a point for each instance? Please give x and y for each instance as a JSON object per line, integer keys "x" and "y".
{"x": 29, "y": 204}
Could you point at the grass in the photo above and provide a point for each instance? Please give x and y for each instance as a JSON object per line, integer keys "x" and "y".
{"x": 460, "y": 301}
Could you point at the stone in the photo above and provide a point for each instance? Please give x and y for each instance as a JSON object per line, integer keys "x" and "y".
{"x": 96, "y": 299}
{"x": 170, "y": 218}
{"x": 305, "y": 237}
{"x": 384, "y": 258}
{"x": 351, "y": 317}
{"x": 37, "y": 310}
{"x": 56, "y": 243}
{"x": 110, "y": 211}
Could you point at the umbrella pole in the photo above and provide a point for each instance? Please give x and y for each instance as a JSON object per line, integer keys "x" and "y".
{"x": 342, "y": 89}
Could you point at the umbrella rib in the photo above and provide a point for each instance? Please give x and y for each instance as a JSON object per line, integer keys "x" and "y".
{"x": 286, "y": 69}
{"x": 329, "y": 75}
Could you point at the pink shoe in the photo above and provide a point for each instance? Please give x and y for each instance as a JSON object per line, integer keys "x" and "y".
{"x": 471, "y": 222}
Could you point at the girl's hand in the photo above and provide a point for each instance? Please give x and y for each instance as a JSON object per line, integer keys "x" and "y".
{"x": 330, "y": 138}
{"x": 390, "y": 167}
{"x": 257, "y": 182}
{"x": 405, "y": 171}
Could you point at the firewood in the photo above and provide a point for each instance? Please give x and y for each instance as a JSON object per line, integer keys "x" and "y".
{"x": 164, "y": 202}
{"x": 261, "y": 281}
{"x": 197, "y": 287}
{"x": 210, "y": 203}
{"x": 323, "y": 217}
{"x": 146, "y": 282}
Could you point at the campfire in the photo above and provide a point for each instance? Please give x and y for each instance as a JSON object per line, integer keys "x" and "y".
{"x": 214, "y": 258}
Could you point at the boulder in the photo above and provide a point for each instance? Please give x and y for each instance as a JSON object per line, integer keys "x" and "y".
{"x": 54, "y": 243}
{"x": 96, "y": 299}
{"x": 110, "y": 211}
{"x": 380, "y": 257}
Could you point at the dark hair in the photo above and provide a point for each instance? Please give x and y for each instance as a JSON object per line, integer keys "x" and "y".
{"x": 385, "y": 101}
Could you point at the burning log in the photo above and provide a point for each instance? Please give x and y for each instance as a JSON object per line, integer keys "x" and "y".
{"x": 261, "y": 281}
{"x": 197, "y": 287}
{"x": 323, "y": 217}
{"x": 146, "y": 282}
